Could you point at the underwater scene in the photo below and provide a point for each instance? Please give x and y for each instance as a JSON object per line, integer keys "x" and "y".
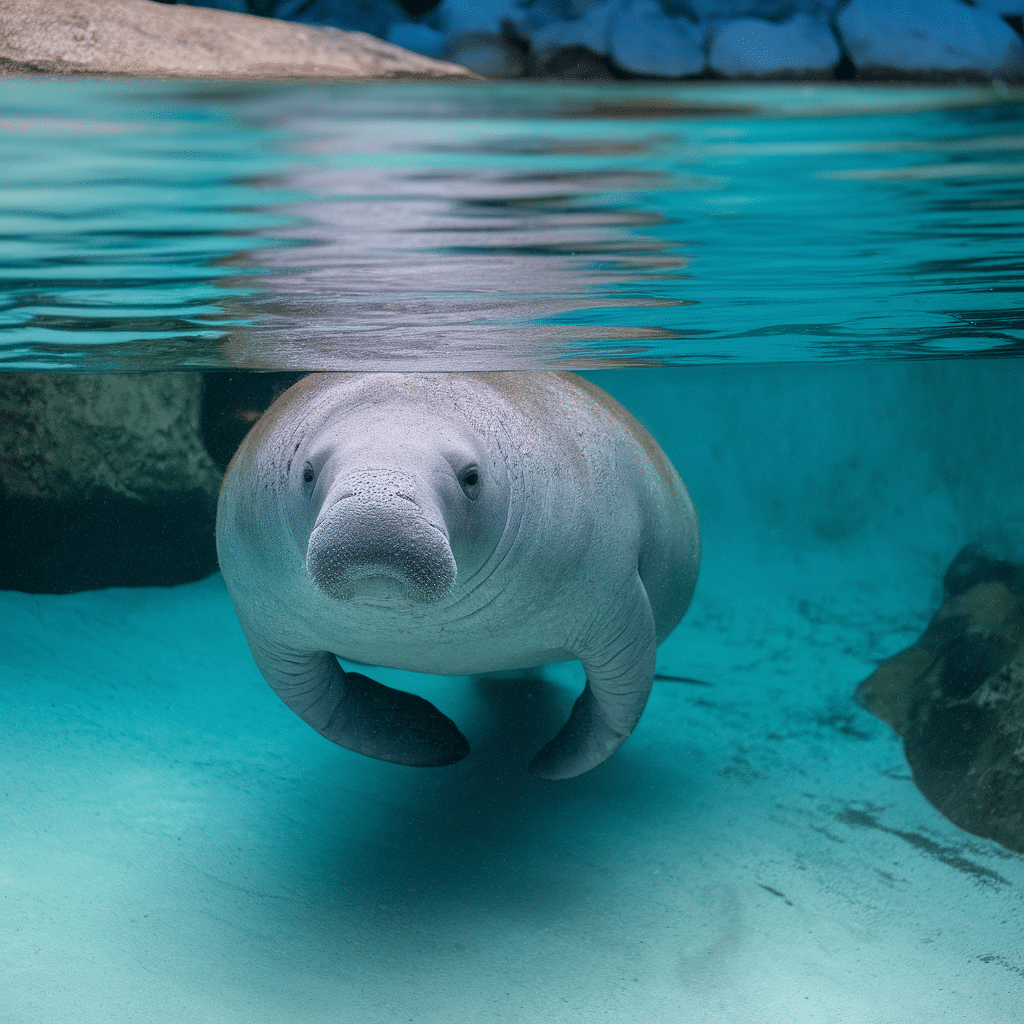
{"x": 591, "y": 752}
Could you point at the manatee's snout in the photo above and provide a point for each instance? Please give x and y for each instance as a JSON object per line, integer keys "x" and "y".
{"x": 358, "y": 540}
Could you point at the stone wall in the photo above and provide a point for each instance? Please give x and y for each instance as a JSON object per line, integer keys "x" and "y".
{"x": 974, "y": 40}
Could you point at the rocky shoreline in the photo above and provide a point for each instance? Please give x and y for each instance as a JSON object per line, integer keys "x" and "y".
{"x": 908, "y": 40}
{"x": 747, "y": 40}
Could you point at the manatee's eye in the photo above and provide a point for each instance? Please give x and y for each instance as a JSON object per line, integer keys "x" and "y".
{"x": 307, "y": 472}
{"x": 469, "y": 480}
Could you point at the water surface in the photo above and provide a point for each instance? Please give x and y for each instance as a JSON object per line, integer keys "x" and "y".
{"x": 152, "y": 225}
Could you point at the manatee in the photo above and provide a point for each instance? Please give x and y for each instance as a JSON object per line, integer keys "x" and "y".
{"x": 454, "y": 524}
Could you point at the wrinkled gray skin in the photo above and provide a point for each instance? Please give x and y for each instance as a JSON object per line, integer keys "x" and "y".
{"x": 455, "y": 524}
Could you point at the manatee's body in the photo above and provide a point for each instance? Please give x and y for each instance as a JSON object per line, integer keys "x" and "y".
{"x": 454, "y": 524}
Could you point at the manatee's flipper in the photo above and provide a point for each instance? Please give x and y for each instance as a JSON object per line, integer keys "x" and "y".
{"x": 620, "y": 673}
{"x": 360, "y": 714}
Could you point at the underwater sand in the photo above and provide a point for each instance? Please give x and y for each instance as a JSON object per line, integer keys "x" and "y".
{"x": 178, "y": 846}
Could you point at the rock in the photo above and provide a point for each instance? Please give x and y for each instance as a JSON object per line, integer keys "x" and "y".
{"x": 238, "y": 6}
{"x": 141, "y": 37}
{"x": 1006, "y": 8}
{"x": 492, "y": 56}
{"x": 232, "y": 402}
{"x": 411, "y": 35}
{"x": 592, "y": 31}
{"x": 802, "y": 47}
{"x": 463, "y": 17}
{"x": 933, "y": 38}
{"x": 646, "y": 41}
{"x": 956, "y": 697}
{"x": 574, "y": 64}
{"x": 373, "y": 16}
{"x": 771, "y": 10}
{"x": 104, "y": 482}
{"x": 974, "y": 565}
{"x": 527, "y": 17}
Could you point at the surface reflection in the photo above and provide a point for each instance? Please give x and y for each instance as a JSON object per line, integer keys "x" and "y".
{"x": 504, "y": 225}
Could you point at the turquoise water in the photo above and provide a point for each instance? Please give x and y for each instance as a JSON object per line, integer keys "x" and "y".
{"x": 807, "y": 294}
{"x": 198, "y": 225}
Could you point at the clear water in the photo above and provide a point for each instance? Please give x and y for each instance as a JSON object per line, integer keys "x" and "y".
{"x": 158, "y": 225}
{"x": 176, "y": 845}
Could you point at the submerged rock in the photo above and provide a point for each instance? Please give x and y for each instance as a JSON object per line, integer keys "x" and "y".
{"x": 956, "y": 697}
{"x": 111, "y": 480}
{"x": 802, "y": 47}
{"x": 104, "y": 482}
{"x": 931, "y": 38}
{"x": 141, "y": 37}
{"x": 646, "y": 41}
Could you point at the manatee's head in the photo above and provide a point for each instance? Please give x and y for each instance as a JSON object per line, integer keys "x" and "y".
{"x": 400, "y": 502}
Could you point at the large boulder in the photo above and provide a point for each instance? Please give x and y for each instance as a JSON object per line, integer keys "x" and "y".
{"x": 929, "y": 38}
{"x": 956, "y": 697}
{"x": 141, "y": 37}
{"x": 104, "y": 481}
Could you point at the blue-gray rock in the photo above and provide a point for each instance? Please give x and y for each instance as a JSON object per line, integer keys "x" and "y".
{"x": 372, "y": 16}
{"x": 801, "y": 47}
{"x": 593, "y": 31}
{"x": 770, "y": 10}
{"x": 937, "y": 38}
{"x": 1010, "y": 8}
{"x": 415, "y": 36}
{"x": 646, "y": 41}
{"x": 461, "y": 17}
{"x": 487, "y": 54}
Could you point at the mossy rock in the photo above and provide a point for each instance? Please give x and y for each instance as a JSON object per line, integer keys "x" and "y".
{"x": 956, "y": 697}
{"x": 104, "y": 481}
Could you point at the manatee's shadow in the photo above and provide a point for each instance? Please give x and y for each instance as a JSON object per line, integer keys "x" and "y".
{"x": 485, "y": 833}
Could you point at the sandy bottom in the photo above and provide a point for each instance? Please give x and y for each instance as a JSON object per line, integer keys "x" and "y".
{"x": 177, "y": 846}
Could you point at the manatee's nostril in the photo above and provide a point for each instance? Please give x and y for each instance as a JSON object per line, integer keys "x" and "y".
{"x": 356, "y": 542}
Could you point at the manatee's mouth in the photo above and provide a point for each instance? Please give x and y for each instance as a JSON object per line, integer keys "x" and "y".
{"x": 373, "y": 549}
